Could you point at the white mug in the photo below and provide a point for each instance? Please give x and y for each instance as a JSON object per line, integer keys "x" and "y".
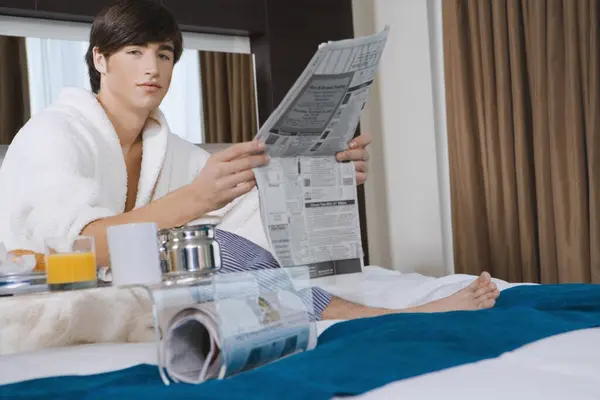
{"x": 133, "y": 251}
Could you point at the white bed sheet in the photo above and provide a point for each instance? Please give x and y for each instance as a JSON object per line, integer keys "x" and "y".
{"x": 375, "y": 286}
{"x": 561, "y": 367}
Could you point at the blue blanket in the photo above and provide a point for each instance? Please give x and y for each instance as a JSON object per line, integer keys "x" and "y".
{"x": 356, "y": 356}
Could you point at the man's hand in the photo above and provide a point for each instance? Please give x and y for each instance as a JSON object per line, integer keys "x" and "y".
{"x": 228, "y": 175}
{"x": 359, "y": 154}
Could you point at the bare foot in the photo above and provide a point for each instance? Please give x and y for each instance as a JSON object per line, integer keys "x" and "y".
{"x": 481, "y": 293}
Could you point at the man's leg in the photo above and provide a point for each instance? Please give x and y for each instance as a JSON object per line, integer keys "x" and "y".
{"x": 481, "y": 293}
{"x": 239, "y": 255}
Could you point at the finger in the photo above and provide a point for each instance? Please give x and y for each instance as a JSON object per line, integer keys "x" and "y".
{"x": 243, "y": 164}
{"x": 361, "y": 166}
{"x": 253, "y": 153}
{"x": 362, "y": 140}
{"x": 237, "y": 191}
{"x": 361, "y": 178}
{"x": 235, "y": 179}
{"x": 240, "y": 149}
{"x": 353, "y": 155}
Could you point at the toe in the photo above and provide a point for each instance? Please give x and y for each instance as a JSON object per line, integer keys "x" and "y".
{"x": 485, "y": 278}
{"x": 482, "y": 282}
{"x": 488, "y": 303}
{"x": 481, "y": 292}
{"x": 473, "y": 286}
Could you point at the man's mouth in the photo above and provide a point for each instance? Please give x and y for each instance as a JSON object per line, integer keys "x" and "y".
{"x": 150, "y": 84}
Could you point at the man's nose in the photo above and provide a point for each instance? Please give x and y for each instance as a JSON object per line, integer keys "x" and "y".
{"x": 151, "y": 64}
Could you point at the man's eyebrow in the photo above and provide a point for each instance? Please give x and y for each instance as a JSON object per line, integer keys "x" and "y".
{"x": 167, "y": 47}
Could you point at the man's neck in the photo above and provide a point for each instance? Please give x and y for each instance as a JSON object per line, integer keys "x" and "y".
{"x": 127, "y": 122}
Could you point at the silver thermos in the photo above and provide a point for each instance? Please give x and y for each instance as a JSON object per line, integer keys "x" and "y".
{"x": 189, "y": 251}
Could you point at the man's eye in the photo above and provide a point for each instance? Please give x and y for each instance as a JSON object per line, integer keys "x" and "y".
{"x": 135, "y": 52}
{"x": 164, "y": 57}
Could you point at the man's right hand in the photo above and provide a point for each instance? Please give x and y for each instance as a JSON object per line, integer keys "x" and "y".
{"x": 225, "y": 176}
{"x": 228, "y": 175}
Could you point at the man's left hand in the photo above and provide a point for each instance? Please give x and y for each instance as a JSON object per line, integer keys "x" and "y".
{"x": 358, "y": 153}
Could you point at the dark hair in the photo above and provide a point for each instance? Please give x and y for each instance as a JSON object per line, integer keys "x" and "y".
{"x": 130, "y": 22}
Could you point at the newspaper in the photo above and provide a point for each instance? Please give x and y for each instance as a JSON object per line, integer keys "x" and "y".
{"x": 233, "y": 323}
{"x": 308, "y": 200}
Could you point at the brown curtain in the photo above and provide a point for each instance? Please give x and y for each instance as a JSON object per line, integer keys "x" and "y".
{"x": 523, "y": 113}
{"x": 14, "y": 88}
{"x": 228, "y": 97}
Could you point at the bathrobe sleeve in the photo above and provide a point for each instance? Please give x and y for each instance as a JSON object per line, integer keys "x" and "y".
{"x": 49, "y": 191}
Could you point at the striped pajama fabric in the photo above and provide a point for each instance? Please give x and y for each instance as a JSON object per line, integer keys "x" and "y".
{"x": 241, "y": 255}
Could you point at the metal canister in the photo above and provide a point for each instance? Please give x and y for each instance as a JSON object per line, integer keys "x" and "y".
{"x": 190, "y": 251}
{"x": 163, "y": 238}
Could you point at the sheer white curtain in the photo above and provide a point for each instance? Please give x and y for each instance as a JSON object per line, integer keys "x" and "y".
{"x": 54, "y": 64}
{"x": 182, "y": 105}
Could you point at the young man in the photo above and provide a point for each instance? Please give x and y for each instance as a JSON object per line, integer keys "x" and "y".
{"x": 107, "y": 157}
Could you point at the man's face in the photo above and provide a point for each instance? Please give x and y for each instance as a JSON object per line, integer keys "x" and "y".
{"x": 139, "y": 75}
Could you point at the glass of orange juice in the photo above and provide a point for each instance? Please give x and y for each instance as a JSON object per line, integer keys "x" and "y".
{"x": 74, "y": 268}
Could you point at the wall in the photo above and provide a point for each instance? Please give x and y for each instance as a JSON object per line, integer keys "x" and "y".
{"x": 407, "y": 194}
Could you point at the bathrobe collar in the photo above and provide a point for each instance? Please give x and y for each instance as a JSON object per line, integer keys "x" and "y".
{"x": 84, "y": 105}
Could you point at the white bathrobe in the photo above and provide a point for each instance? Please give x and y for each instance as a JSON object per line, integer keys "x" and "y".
{"x": 65, "y": 169}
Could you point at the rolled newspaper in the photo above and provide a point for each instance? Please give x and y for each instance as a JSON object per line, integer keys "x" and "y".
{"x": 233, "y": 324}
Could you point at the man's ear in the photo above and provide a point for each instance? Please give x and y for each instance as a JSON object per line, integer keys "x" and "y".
{"x": 99, "y": 61}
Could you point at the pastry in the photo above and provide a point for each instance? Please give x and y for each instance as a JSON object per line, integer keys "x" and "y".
{"x": 40, "y": 258}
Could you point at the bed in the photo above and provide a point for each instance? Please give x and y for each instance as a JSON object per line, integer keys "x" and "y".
{"x": 564, "y": 366}
{"x": 540, "y": 343}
